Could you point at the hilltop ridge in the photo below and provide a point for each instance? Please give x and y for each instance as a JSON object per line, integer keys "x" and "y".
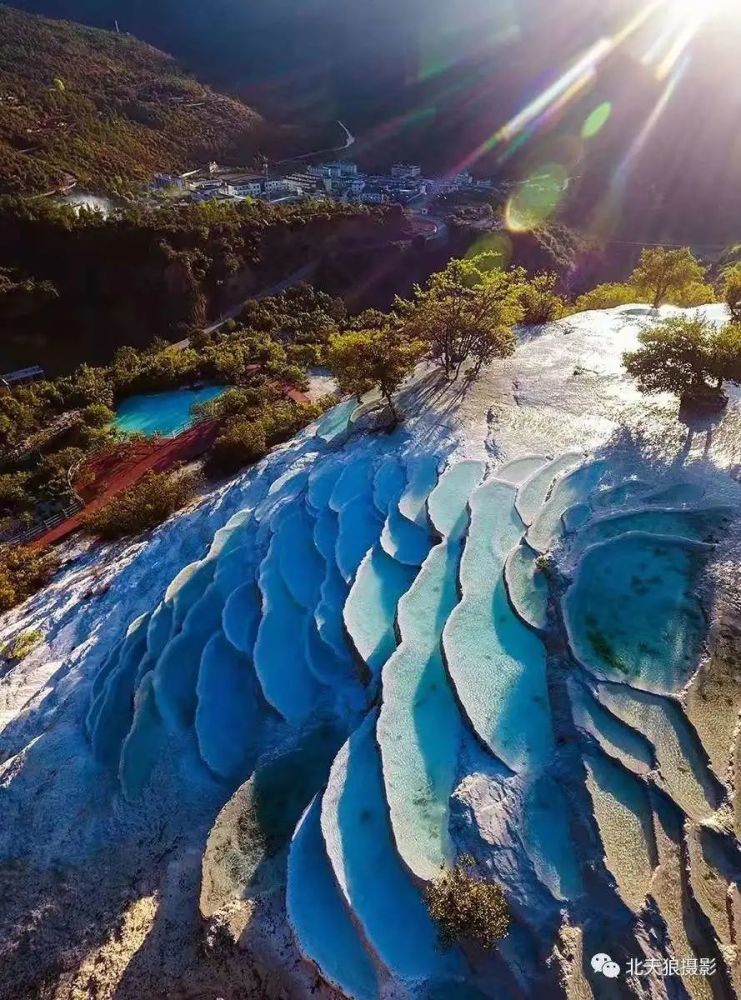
{"x": 106, "y": 110}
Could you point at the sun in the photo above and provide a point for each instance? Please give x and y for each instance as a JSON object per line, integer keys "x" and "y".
{"x": 704, "y": 10}
{"x": 679, "y": 25}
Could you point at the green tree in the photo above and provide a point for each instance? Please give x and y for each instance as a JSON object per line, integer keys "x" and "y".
{"x": 696, "y": 293}
{"x": 727, "y": 354}
{"x": 662, "y": 273}
{"x": 253, "y": 429}
{"x": 689, "y": 357}
{"x": 14, "y": 494}
{"x": 368, "y": 359}
{"x": 732, "y": 291}
{"x": 466, "y": 312}
{"x": 91, "y": 385}
{"x": 606, "y": 296}
{"x": 540, "y": 301}
{"x": 97, "y": 415}
{"x": 242, "y": 442}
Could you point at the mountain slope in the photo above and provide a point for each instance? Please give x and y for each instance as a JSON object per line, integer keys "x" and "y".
{"x": 104, "y": 108}
{"x": 431, "y": 81}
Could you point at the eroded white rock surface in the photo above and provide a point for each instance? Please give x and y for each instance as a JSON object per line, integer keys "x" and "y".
{"x": 121, "y": 743}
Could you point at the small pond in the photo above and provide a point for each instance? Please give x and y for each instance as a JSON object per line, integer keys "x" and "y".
{"x": 162, "y": 412}
{"x": 92, "y": 202}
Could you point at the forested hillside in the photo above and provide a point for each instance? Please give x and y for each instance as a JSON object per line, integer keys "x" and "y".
{"x": 105, "y": 109}
{"x": 73, "y": 287}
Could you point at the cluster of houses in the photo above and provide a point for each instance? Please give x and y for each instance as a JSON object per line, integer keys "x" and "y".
{"x": 339, "y": 181}
{"x": 404, "y": 185}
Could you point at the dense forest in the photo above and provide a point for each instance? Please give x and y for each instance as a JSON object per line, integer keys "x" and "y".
{"x": 106, "y": 110}
{"x": 74, "y": 287}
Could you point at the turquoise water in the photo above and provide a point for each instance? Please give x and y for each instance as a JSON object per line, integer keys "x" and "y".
{"x": 388, "y": 485}
{"x": 405, "y": 540}
{"x": 176, "y": 673}
{"x": 110, "y": 717}
{"x": 229, "y": 711}
{"x": 700, "y": 525}
{"x": 323, "y": 925}
{"x": 334, "y": 423}
{"x": 533, "y": 492}
{"x": 633, "y": 612}
{"x": 679, "y": 755}
{"x": 519, "y": 470}
{"x": 385, "y": 900}
{"x": 145, "y": 743}
{"x": 625, "y": 820}
{"x": 162, "y": 412}
{"x": 420, "y": 729}
{"x": 370, "y": 609}
{"x": 496, "y": 662}
{"x": 527, "y": 586}
{"x": 334, "y": 589}
{"x": 614, "y": 737}
{"x": 547, "y": 838}
{"x": 572, "y": 488}
{"x": 280, "y": 654}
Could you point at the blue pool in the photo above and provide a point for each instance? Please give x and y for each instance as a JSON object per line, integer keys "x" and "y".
{"x": 162, "y": 412}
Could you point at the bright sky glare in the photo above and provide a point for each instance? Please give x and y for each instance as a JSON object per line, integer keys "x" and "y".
{"x": 702, "y": 10}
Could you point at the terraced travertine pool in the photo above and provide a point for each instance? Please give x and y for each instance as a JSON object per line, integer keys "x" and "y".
{"x": 403, "y": 602}
{"x": 633, "y": 609}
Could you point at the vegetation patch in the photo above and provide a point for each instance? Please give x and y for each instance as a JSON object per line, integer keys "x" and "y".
{"x": 249, "y": 435}
{"x": 662, "y": 276}
{"x": 105, "y": 109}
{"x": 468, "y": 908}
{"x": 603, "y": 648}
{"x": 21, "y": 645}
{"x": 23, "y": 571}
{"x": 154, "y": 498}
{"x": 689, "y": 357}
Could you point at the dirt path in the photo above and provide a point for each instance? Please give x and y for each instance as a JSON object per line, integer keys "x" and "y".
{"x": 185, "y": 446}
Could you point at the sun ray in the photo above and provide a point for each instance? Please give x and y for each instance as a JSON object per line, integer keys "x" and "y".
{"x": 561, "y": 91}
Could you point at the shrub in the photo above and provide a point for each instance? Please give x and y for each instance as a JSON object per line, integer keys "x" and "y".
{"x": 21, "y": 645}
{"x": 466, "y": 312}
{"x": 23, "y": 571}
{"x": 97, "y": 415}
{"x": 52, "y": 474}
{"x": 732, "y": 291}
{"x": 14, "y": 495}
{"x": 247, "y": 403}
{"x": 612, "y": 294}
{"x": 373, "y": 359}
{"x": 240, "y": 443}
{"x": 246, "y": 440}
{"x": 697, "y": 293}
{"x": 467, "y": 908}
{"x": 284, "y": 419}
{"x": 607, "y": 296}
{"x": 539, "y": 300}
{"x": 150, "y": 502}
{"x": 663, "y": 275}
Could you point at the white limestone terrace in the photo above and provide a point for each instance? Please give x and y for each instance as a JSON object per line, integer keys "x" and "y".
{"x": 373, "y": 608}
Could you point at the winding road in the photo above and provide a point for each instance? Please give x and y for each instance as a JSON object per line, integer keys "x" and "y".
{"x": 349, "y": 141}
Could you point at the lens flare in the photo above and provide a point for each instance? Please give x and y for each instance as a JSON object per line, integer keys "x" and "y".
{"x": 537, "y": 198}
{"x": 596, "y": 120}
